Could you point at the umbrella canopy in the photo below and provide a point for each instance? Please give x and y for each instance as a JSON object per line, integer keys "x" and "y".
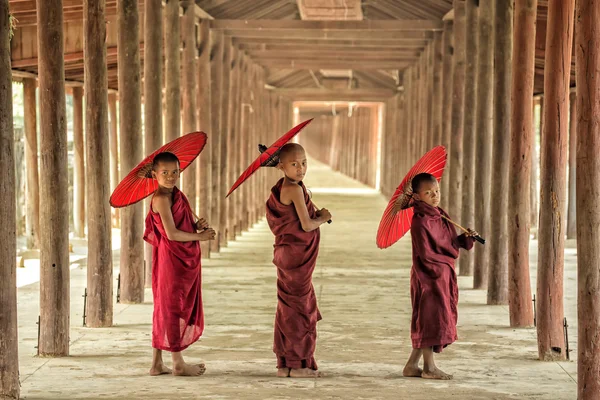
{"x": 269, "y": 155}
{"x": 139, "y": 184}
{"x": 394, "y": 225}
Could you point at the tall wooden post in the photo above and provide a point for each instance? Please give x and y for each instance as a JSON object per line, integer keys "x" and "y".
{"x": 99, "y": 266}
{"x": 468, "y": 197}
{"x": 498, "y": 266}
{"x": 204, "y": 118}
{"x": 130, "y": 118}
{"x": 519, "y": 289}
{"x": 153, "y": 64}
{"x": 189, "y": 92}
{"x": 216, "y": 78}
{"x": 447, "y": 80}
{"x": 245, "y": 138}
{"x": 32, "y": 198}
{"x": 9, "y": 345}
{"x": 114, "y": 151}
{"x": 232, "y": 154}
{"x": 551, "y": 263}
{"x": 79, "y": 164}
{"x": 572, "y": 207}
{"x": 224, "y": 137}
{"x": 172, "y": 71}
{"x": 534, "y": 195}
{"x": 238, "y": 132}
{"x": 588, "y": 224}
{"x": 438, "y": 99}
{"x": 54, "y": 209}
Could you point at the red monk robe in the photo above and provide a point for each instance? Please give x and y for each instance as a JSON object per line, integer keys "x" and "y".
{"x": 178, "y": 319}
{"x": 433, "y": 283}
{"x": 295, "y": 257}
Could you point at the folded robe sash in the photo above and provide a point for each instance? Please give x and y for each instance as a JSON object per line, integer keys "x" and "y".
{"x": 295, "y": 256}
{"x": 433, "y": 282}
{"x": 178, "y": 319}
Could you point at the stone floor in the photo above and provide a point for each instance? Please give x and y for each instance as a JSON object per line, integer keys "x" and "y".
{"x": 363, "y": 294}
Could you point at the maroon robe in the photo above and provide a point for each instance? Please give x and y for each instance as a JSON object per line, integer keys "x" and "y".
{"x": 433, "y": 283}
{"x": 295, "y": 257}
{"x": 178, "y": 319}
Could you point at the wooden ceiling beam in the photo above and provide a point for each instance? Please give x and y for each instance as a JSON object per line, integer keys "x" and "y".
{"x": 342, "y": 53}
{"x": 387, "y": 36}
{"x": 334, "y": 64}
{"x": 310, "y": 94}
{"x": 364, "y": 25}
{"x": 415, "y": 51}
{"x": 341, "y": 57}
{"x": 257, "y": 43}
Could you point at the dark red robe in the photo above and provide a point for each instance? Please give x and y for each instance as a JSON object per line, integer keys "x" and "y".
{"x": 433, "y": 283}
{"x": 178, "y": 319}
{"x": 295, "y": 257}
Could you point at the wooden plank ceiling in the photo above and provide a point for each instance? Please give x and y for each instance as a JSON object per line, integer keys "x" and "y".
{"x": 324, "y": 45}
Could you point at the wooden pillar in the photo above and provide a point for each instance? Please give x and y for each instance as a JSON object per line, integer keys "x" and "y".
{"x": 189, "y": 93}
{"x": 483, "y": 138}
{"x": 429, "y": 65}
{"x": 245, "y": 138}
{"x": 31, "y": 158}
{"x": 572, "y": 206}
{"x": 457, "y": 123}
{"x": 114, "y": 151}
{"x": 438, "y": 98}
{"x": 204, "y": 118}
{"x": 172, "y": 71}
{"x": 534, "y": 195}
{"x": 54, "y": 209}
{"x": 519, "y": 289}
{"x": 232, "y": 154}
{"x": 216, "y": 78}
{"x": 551, "y": 262}
{"x": 225, "y": 137}
{"x": 498, "y": 266}
{"x": 130, "y": 118}
{"x": 9, "y": 345}
{"x": 447, "y": 85}
{"x": 467, "y": 258}
{"x": 79, "y": 164}
{"x": 99, "y": 266}
{"x": 588, "y": 225}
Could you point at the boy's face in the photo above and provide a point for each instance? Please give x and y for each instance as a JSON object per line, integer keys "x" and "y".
{"x": 167, "y": 174}
{"x": 294, "y": 165}
{"x": 429, "y": 192}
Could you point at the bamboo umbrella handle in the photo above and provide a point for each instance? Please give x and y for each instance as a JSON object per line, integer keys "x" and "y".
{"x": 318, "y": 210}
{"x": 478, "y": 238}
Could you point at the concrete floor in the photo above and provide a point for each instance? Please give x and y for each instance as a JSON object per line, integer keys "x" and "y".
{"x": 363, "y": 294}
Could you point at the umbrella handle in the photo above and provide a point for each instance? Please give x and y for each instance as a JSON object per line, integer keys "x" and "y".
{"x": 478, "y": 238}
{"x": 329, "y": 222}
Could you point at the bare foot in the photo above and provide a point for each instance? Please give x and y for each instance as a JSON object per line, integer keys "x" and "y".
{"x": 283, "y": 372}
{"x": 188, "y": 370}
{"x": 410, "y": 371}
{"x": 304, "y": 373}
{"x": 159, "y": 369}
{"x": 436, "y": 373}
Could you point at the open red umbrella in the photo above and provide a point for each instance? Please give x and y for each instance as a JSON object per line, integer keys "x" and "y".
{"x": 139, "y": 184}
{"x": 394, "y": 225}
{"x": 269, "y": 155}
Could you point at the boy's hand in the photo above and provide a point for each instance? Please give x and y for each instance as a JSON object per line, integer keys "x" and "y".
{"x": 207, "y": 234}
{"x": 471, "y": 233}
{"x": 201, "y": 224}
{"x": 397, "y": 206}
{"x": 324, "y": 214}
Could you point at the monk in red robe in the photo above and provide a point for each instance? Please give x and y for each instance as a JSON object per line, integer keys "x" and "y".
{"x": 433, "y": 283}
{"x": 174, "y": 232}
{"x": 295, "y": 221}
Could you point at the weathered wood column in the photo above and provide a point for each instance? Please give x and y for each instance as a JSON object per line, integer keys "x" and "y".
{"x": 551, "y": 262}
{"x": 588, "y": 224}
{"x": 534, "y": 195}
{"x": 225, "y": 137}
{"x": 153, "y": 121}
{"x": 519, "y": 288}
{"x": 204, "y": 118}
{"x": 99, "y": 266}
{"x": 232, "y": 154}
{"x": 498, "y": 267}
{"x": 79, "y": 164}
{"x": 189, "y": 92}
{"x": 32, "y": 198}
{"x": 438, "y": 98}
{"x": 468, "y": 197}
{"x": 9, "y": 345}
{"x": 483, "y": 138}
{"x": 54, "y": 189}
{"x": 572, "y": 206}
{"x": 216, "y": 72}
{"x": 245, "y": 138}
{"x": 172, "y": 71}
{"x": 114, "y": 151}
{"x": 447, "y": 39}
{"x": 130, "y": 118}
{"x": 457, "y": 123}
{"x": 239, "y": 138}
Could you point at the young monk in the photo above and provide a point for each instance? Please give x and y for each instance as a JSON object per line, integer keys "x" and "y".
{"x": 174, "y": 231}
{"x": 295, "y": 221}
{"x": 433, "y": 283}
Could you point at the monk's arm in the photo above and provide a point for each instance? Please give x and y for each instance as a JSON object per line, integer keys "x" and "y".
{"x": 466, "y": 241}
{"x": 163, "y": 207}
{"x": 308, "y": 224}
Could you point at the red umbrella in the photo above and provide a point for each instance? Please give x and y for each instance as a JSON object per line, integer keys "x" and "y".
{"x": 268, "y": 156}
{"x": 139, "y": 184}
{"x": 394, "y": 225}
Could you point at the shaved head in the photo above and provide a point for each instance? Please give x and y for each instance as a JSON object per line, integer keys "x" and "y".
{"x": 288, "y": 150}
